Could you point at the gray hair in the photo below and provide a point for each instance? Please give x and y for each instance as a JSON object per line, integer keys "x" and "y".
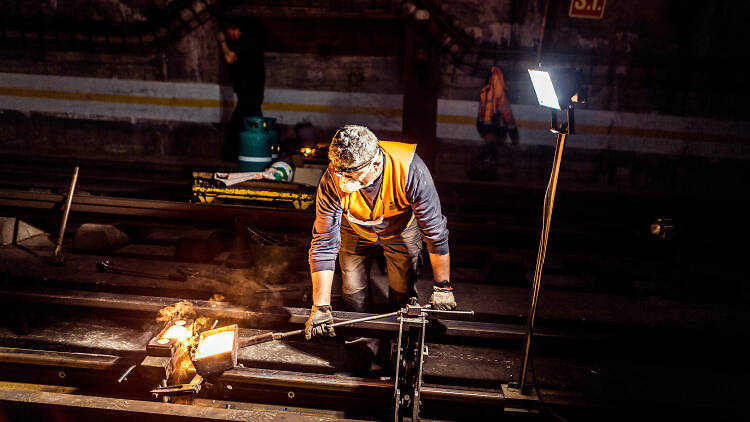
{"x": 352, "y": 146}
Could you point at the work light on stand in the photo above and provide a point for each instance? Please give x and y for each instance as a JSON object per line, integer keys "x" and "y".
{"x": 556, "y": 89}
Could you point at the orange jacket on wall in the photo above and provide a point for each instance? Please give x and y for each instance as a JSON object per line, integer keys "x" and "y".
{"x": 494, "y": 108}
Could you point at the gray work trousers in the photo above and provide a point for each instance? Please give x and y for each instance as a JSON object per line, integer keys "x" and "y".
{"x": 402, "y": 262}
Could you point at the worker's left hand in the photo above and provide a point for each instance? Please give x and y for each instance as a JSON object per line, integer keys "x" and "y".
{"x": 442, "y": 299}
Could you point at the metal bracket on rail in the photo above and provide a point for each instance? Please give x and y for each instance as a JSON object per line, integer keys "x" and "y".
{"x": 410, "y": 353}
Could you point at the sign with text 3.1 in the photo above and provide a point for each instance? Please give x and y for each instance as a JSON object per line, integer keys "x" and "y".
{"x": 589, "y": 9}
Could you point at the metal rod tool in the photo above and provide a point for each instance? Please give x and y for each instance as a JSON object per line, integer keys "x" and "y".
{"x": 57, "y": 257}
{"x": 266, "y": 337}
{"x": 106, "y": 266}
{"x": 124, "y": 376}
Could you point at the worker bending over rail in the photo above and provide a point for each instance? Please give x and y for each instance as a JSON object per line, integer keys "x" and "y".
{"x": 387, "y": 198}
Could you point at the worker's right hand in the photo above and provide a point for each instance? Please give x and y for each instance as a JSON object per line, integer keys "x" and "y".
{"x": 442, "y": 299}
{"x": 230, "y": 57}
{"x": 320, "y": 322}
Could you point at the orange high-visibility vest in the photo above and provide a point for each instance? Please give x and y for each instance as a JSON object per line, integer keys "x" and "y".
{"x": 391, "y": 199}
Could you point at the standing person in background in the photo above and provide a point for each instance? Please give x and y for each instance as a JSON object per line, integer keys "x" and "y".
{"x": 242, "y": 48}
{"x": 494, "y": 122}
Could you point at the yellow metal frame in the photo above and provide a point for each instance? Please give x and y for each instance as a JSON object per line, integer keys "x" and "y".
{"x": 299, "y": 200}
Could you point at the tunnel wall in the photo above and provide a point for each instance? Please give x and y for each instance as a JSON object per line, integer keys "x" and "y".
{"x": 124, "y": 102}
{"x": 141, "y": 102}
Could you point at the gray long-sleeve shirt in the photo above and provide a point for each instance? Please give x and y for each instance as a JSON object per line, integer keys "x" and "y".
{"x": 421, "y": 194}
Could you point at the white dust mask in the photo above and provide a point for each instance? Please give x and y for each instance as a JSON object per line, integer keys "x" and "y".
{"x": 348, "y": 185}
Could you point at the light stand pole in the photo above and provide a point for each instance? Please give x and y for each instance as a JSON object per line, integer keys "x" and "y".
{"x": 562, "y": 132}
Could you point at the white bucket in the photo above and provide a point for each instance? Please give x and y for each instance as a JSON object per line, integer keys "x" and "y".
{"x": 282, "y": 171}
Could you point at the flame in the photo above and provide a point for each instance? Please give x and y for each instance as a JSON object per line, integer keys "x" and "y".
{"x": 215, "y": 344}
{"x": 178, "y": 332}
{"x": 307, "y": 151}
{"x": 201, "y": 323}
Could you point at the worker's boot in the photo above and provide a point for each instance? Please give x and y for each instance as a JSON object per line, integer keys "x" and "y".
{"x": 385, "y": 356}
{"x": 397, "y": 300}
{"x": 359, "y": 350}
{"x": 360, "y": 353}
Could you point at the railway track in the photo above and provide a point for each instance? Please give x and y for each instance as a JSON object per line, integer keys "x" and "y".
{"x": 92, "y": 338}
{"x": 586, "y": 368}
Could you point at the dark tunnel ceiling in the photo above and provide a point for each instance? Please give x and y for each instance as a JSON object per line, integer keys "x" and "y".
{"x": 99, "y": 10}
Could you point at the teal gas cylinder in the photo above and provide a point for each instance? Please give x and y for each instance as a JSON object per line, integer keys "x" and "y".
{"x": 255, "y": 145}
{"x": 271, "y": 123}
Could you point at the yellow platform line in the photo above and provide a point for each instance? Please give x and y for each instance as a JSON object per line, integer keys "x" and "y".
{"x": 190, "y": 102}
{"x": 334, "y": 109}
{"x": 113, "y": 98}
{"x": 606, "y": 130}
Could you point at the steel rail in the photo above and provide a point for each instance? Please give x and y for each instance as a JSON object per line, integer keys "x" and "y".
{"x": 12, "y": 355}
{"x": 83, "y": 407}
{"x": 267, "y": 217}
{"x": 285, "y": 219}
{"x": 259, "y": 318}
{"x": 243, "y": 380}
{"x": 263, "y": 378}
{"x": 324, "y": 382}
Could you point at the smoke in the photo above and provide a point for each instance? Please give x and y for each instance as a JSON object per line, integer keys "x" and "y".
{"x": 251, "y": 287}
{"x": 216, "y": 297}
{"x": 181, "y": 310}
{"x": 185, "y": 310}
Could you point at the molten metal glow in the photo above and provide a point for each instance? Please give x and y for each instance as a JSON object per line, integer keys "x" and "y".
{"x": 307, "y": 151}
{"x": 215, "y": 344}
{"x": 178, "y": 332}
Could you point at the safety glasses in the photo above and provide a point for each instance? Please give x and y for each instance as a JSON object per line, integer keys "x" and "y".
{"x": 347, "y": 172}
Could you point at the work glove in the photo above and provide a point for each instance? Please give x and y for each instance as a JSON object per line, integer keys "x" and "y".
{"x": 442, "y": 299}
{"x": 319, "y": 322}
